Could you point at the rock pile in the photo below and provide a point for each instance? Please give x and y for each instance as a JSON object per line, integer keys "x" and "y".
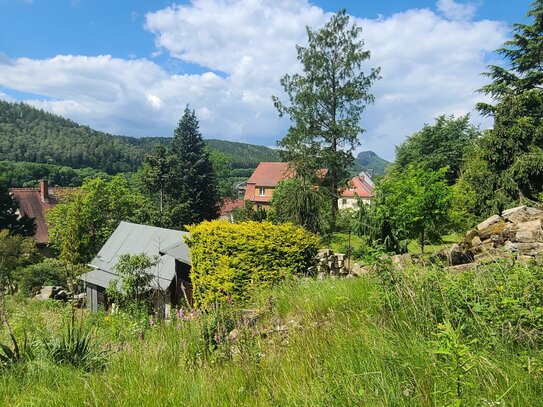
{"x": 330, "y": 263}
{"x": 52, "y": 292}
{"x": 517, "y": 231}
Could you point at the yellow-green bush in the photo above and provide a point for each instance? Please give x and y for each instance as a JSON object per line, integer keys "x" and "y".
{"x": 231, "y": 260}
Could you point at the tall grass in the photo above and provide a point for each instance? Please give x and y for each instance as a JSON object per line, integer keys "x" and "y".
{"x": 345, "y": 342}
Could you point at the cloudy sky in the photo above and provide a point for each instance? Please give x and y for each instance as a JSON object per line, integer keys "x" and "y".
{"x": 130, "y": 67}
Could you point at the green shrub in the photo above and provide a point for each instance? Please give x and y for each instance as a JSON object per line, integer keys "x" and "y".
{"x": 48, "y": 272}
{"x": 230, "y": 261}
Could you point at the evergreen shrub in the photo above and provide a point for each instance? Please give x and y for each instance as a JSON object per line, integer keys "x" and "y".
{"x": 230, "y": 261}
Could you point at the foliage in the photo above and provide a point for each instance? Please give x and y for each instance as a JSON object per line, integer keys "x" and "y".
{"x": 9, "y": 218}
{"x": 135, "y": 275}
{"x": 499, "y": 302}
{"x": 415, "y": 202}
{"x": 28, "y": 174}
{"x": 326, "y": 101}
{"x": 193, "y": 191}
{"x": 298, "y": 201}
{"x": 234, "y": 260}
{"x": 20, "y": 353}
{"x": 222, "y": 167}
{"x": 34, "y": 136}
{"x": 315, "y": 343}
{"x": 47, "y": 272}
{"x": 15, "y": 252}
{"x": 81, "y": 224}
{"x": 455, "y": 358}
{"x": 512, "y": 150}
{"x": 76, "y": 347}
{"x": 249, "y": 212}
{"x": 156, "y": 175}
{"x": 442, "y": 144}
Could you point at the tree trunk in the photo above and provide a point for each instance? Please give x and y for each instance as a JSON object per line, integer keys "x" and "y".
{"x": 422, "y": 241}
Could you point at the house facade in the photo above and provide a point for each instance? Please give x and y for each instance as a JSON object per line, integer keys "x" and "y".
{"x": 171, "y": 273}
{"x": 262, "y": 183}
{"x": 358, "y": 188}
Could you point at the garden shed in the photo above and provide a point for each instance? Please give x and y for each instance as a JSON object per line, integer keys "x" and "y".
{"x": 171, "y": 274}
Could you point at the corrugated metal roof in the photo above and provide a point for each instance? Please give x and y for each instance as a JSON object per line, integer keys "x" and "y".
{"x": 132, "y": 238}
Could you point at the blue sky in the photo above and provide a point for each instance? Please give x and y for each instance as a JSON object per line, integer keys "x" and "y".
{"x": 129, "y": 67}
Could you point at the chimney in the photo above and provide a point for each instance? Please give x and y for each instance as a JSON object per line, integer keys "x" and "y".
{"x": 44, "y": 190}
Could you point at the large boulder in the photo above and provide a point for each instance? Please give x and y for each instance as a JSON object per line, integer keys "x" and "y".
{"x": 522, "y": 214}
{"x": 458, "y": 255}
{"x": 491, "y": 227}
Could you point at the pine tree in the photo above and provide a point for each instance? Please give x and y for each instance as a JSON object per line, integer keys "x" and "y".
{"x": 192, "y": 190}
{"x": 513, "y": 149}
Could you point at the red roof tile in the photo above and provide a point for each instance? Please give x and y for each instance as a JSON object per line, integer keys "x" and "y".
{"x": 230, "y": 204}
{"x": 32, "y": 205}
{"x": 358, "y": 187}
{"x": 268, "y": 174}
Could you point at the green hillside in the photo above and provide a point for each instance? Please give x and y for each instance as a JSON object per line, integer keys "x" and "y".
{"x": 32, "y": 135}
{"x": 368, "y": 160}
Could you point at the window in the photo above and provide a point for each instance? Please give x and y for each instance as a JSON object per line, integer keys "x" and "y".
{"x": 261, "y": 191}
{"x": 344, "y": 201}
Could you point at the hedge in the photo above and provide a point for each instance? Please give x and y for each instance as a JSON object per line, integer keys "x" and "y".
{"x": 230, "y": 261}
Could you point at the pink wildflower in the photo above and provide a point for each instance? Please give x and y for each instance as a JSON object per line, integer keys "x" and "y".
{"x": 151, "y": 322}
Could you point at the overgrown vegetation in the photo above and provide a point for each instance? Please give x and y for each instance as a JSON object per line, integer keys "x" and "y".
{"x": 413, "y": 337}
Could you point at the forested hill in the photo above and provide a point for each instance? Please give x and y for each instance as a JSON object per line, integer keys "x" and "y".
{"x": 368, "y": 160}
{"x": 32, "y": 135}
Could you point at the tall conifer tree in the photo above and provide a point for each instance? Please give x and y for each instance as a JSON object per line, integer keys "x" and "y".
{"x": 512, "y": 151}
{"x": 193, "y": 185}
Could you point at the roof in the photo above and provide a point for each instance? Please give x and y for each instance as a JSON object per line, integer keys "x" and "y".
{"x": 268, "y": 174}
{"x": 131, "y": 238}
{"x": 360, "y": 186}
{"x": 31, "y": 204}
{"x": 230, "y": 204}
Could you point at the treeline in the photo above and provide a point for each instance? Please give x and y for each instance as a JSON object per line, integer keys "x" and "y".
{"x": 26, "y": 174}
{"x": 32, "y": 135}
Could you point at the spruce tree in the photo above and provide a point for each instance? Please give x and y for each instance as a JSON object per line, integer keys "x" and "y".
{"x": 512, "y": 151}
{"x": 192, "y": 190}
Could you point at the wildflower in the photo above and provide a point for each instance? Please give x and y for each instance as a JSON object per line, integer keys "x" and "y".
{"x": 179, "y": 327}
{"x": 107, "y": 318}
{"x": 151, "y": 322}
{"x": 181, "y": 314}
{"x": 229, "y": 299}
{"x": 441, "y": 326}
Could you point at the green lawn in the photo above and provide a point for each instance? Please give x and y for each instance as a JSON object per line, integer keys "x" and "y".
{"x": 447, "y": 241}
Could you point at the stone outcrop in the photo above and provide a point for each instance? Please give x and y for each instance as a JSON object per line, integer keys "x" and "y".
{"x": 517, "y": 232}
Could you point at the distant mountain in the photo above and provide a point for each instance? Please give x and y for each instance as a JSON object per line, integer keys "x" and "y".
{"x": 368, "y": 160}
{"x": 32, "y": 135}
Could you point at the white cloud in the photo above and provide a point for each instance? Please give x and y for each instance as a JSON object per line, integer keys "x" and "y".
{"x": 430, "y": 65}
{"x": 457, "y": 11}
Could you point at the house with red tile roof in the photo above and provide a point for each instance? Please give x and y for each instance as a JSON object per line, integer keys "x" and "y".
{"x": 34, "y": 202}
{"x": 358, "y": 188}
{"x": 228, "y": 206}
{"x": 261, "y": 184}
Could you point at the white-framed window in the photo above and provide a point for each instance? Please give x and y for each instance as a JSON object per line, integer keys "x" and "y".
{"x": 261, "y": 191}
{"x": 344, "y": 201}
